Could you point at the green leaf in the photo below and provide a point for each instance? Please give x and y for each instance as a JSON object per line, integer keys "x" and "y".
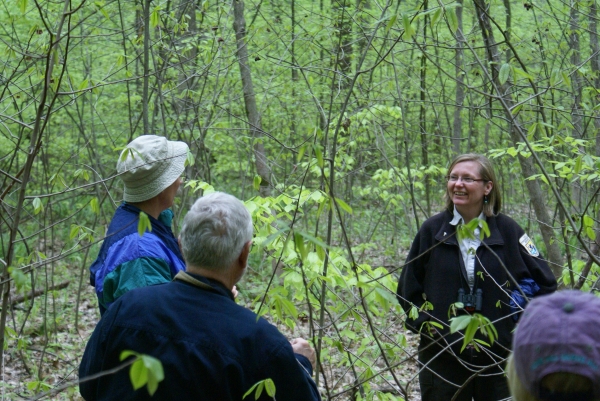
{"x": 319, "y": 155}
{"x": 95, "y": 206}
{"x": 590, "y": 233}
{"x": 436, "y": 17}
{"x": 155, "y": 372}
{"x": 155, "y": 18}
{"x": 289, "y": 307}
{"x": 516, "y": 110}
{"x": 270, "y": 387}
{"x": 555, "y": 76}
{"x": 138, "y": 374}
{"x": 504, "y": 73}
{"x": 485, "y": 228}
{"x": 493, "y": 331}
{"x": 299, "y": 242}
{"x": 189, "y": 159}
{"x": 18, "y": 277}
{"x": 321, "y": 252}
{"x": 126, "y": 152}
{"x": 531, "y": 130}
{"x": 257, "y": 181}
{"x": 125, "y": 354}
{"x": 83, "y": 84}
{"x": 452, "y": 20}
{"x": 300, "y": 153}
{"x": 100, "y": 6}
{"x": 314, "y": 240}
{"x": 23, "y": 6}
{"x": 120, "y": 60}
{"x": 522, "y": 73}
{"x": 144, "y": 224}
{"x": 343, "y": 205}
{"x": 146, "y": 370}
{"x": 409, "y": 31}
{"x": 74, "y": 231}
{"x": 259, "y": 390}
{"x": 566, "y": 78}
{"x": 587, "y": 220}
{"x": 258, "y": 387}
{"x": 391, "y": 23}
{"x": 459, "y": 323}
{"x": 470, "y": 333}
{"x": 578, "y": 165}
{"x": 37, "y": 205}
{"x": 414, "y": 313}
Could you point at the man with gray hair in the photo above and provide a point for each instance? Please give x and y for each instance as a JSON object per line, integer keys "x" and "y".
{"x": 210, "y": 347}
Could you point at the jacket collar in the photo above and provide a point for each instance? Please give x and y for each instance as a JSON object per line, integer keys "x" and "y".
{"x": 447, "y": 232}
{"x": 204, "y": 283}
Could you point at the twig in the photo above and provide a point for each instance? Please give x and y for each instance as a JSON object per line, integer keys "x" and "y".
{"x": 37, "y": 293}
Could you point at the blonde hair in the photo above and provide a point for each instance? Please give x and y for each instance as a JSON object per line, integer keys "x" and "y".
{"x": 564, "y": 381}
{"x": 486, "y": 170}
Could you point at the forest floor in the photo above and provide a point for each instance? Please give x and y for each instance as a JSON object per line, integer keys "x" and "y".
{"x": 48, "y": 359}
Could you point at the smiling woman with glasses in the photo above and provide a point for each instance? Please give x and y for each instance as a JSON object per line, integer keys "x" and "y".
{"x": 447, "y": 274}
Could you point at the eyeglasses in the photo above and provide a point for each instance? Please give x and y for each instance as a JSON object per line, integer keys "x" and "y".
{"x": 466, "y": 180}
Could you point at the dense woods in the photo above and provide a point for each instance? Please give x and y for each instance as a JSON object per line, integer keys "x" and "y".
{"x": 334, "y": 120}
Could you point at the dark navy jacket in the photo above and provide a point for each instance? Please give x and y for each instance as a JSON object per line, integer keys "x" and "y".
{"x": 210, "y": 347}
{"x": 435, "y": 271}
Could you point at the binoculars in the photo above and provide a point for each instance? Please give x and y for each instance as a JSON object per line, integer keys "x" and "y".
{"x": 472, "y": 302}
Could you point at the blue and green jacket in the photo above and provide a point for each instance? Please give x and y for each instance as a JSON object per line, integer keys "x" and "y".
{"x": 128, "y": 260}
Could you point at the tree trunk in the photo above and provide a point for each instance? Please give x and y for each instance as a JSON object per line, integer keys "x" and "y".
{"x": 343, "y": 27}
{"x": 423, "y": 115}
{"x": 595, "y": 63}
{"x": 145, "y": 99}
{"x": 460, "y": 79}
{"x": 527, "y": 167}
{"x": 254, "y": 121}
{"x": 576, "y": 83}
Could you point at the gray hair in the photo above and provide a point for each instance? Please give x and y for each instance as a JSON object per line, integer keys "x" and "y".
{"x": 215, "y": 231}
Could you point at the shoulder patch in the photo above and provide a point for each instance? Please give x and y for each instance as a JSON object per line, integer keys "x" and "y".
{"x": 529, "y": 245}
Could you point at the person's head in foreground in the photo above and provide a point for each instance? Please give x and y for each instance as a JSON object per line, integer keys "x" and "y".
{"x": 150, "y": 167}
{"x": 556, "y": 349}
{"x": 216, "y": 237}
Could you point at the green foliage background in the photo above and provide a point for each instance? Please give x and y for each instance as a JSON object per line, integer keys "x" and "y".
{"x": 361, "y": 112}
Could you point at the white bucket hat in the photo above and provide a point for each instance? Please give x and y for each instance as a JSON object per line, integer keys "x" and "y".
{"x": 150, "y": 164}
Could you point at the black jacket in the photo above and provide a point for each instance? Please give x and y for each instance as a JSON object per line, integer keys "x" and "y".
{"x": 435, "y": 271}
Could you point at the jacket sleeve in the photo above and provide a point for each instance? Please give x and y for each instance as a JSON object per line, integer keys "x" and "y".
{"x": 539, "y": 271}
{"x": 291, "y": 374}
{"x": 136, "y": 273}
{"x": 411, "y": 284}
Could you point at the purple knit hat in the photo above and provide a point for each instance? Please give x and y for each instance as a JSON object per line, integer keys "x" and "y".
{"x": 559, "y": 332}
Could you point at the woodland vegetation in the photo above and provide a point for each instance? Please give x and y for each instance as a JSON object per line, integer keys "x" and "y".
{"x": 334, "y": 120}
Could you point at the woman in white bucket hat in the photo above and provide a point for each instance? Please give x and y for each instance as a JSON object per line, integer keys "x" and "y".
{"x": 150, "y": 167}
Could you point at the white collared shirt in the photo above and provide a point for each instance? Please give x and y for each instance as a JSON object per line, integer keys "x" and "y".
{"x": 468, "y": 246}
